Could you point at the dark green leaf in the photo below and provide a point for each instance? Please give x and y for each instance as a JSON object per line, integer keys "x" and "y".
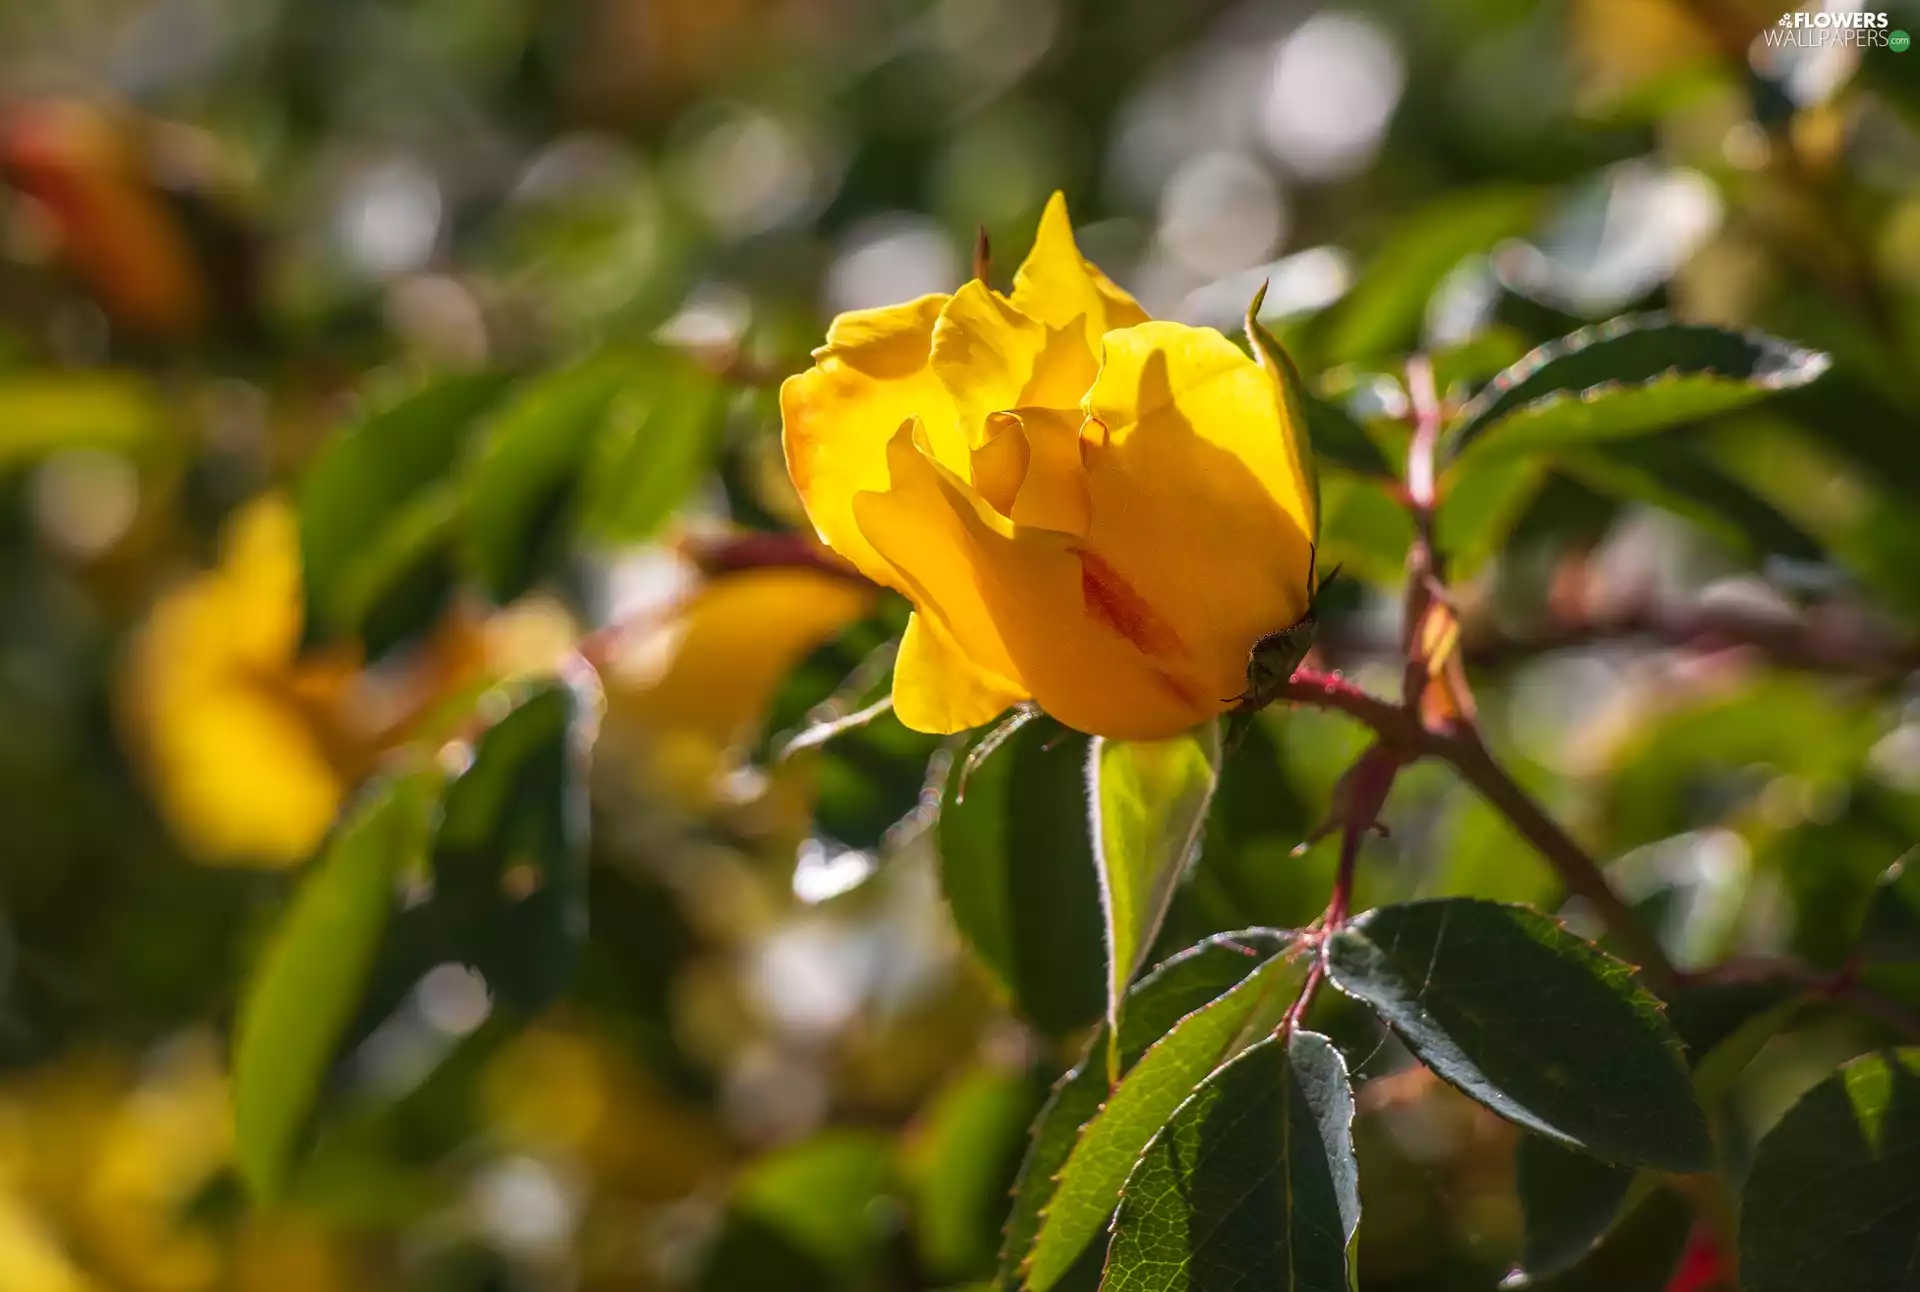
{"x": 1017, "y": 868}
{"x": 1833, "y": 1200}
{"x": 307, "y": 985}
{"x": 1706, "y": 1016}
{"x": 1568, "y": 1201}
{"x": 1141, "y": 1102}
{"x": 1631, "y": 376}
{"x": 1342, "y": 441}
{"x": 1174, "y": 989}
{"x": 1541, "y": 1027}
{"x": 1150, "y": 801}
{"x": 1252, "y": 1183}
{"x": 1722, "y": 1026}
{"x": 1384, "y": 312}
{"x": 521, "y": 482}
{"x": 1675, "y": 474}
{"x": 658, "y": 440}
{"x": 509, "y": 855}
{"x": 377, "y": 511}
{"x": 1639, "y": 1255}
{"x": 1891, "y": 933}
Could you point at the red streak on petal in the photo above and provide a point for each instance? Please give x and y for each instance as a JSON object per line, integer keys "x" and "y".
{"x": 1113, "y": 601}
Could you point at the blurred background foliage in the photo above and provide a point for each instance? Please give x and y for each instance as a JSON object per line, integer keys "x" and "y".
{"x": 367, "y": 365}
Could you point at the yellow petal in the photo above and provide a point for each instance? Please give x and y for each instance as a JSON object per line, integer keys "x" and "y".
{"x": 937, "y": 689}
{"x": 1029, "y": 605}
{"x": 259, "y": 578}
{"x": 735, "y": 641}
{"x": 1198, "y": 501}
{"x": 1056, "y": 285}
{"x": 1000, "y": 463}
{"x": 984, "y": 352}
{"x": 243, "y": 778}
{"x": 872, "y": 374}
{"x": 1054, "y": 493}
{"x": 1029, "y": 469}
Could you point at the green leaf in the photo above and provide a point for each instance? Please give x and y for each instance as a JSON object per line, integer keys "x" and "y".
{"x": 1639, "y": 1255}
{"x": 1568, "y": 1201}
{"x": 376, "y": 509}
{"x": 1174, "y": 989}
{"x": 1364, "y": 529}
{"x": 1342, "y": 441}
{"x": 1541, "y": 1027}
{"x": 521, "y": 482}
{"x": 1833, "y": 1199}
{"x": 509, "y": 855}
{"x": 659, "y": 439}
{"x": 961, "y": 1161}
{"x": 1149, "y": 800}
{"x": 1017, "y": 868}
{"x": 1140, "y": 1104}
{"x": 1480, "y": 503}
{"x": 1631, "y": 376}
{"x": 1675, "y": 474}
{"x": 1891, "y": 932}
{"x": 1251, "y": 1184}
{"x": 306, "y": 987}
{"x": 1386, "y": 309}
{"x": 812, "y": 1216}
{"x": 1722, "y": 1026}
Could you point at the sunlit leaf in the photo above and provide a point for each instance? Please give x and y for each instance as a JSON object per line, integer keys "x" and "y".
{"x": 1149, "y": 806}
{"x": 1174, "y": 989}
{"x": 522, "y": 479}
{"x": 306, "y": 988}
{"x": 960, "y": 1163}
{"x": 1140, "y": 1104}
{"x": 1629, "y": 377}
{"x": 1252, "y": 1183}
{"x": 659, "y": 437}
{"x": 378, "y": 512}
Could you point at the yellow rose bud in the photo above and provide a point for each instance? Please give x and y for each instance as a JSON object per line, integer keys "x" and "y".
{"x": 1088, "y": 509}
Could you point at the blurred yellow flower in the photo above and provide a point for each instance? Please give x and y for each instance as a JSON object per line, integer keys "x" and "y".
{"x": 1088, "y": 509}
{"x": 248, "y": 744}
{"x": 702, "y": 683}
{"x": 102, "y": 1165}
